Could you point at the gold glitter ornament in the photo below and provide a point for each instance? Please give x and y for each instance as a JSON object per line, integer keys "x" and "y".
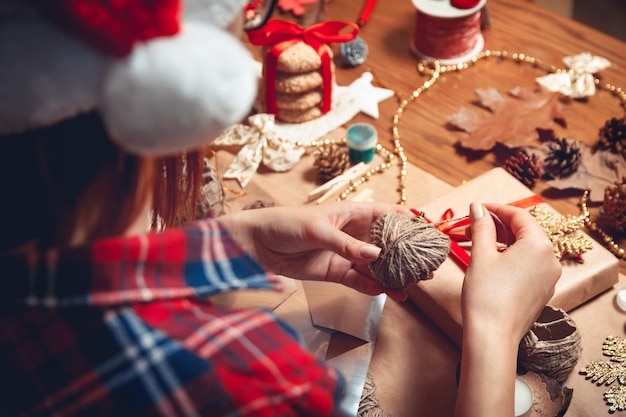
{"x": 562, "y": 233}
{"x": 605, "y": 372}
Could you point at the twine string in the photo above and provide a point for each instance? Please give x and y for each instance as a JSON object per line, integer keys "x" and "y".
{"x": 411, "y": 249}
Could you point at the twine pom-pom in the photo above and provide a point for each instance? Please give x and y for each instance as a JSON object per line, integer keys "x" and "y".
{"x": 411, "y": 249}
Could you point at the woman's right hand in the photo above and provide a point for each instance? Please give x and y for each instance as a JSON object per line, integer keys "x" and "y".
{"x": 503, "y": 294}
{"x": 508, "y": 289}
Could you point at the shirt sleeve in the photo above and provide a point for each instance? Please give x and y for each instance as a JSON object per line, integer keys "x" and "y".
{"x": 246, "y": 362}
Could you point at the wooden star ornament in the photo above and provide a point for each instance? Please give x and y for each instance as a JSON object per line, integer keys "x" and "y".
{"x": 367, "y": 94}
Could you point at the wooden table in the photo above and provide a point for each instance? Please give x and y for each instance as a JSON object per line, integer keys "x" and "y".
{"x": 516, "y": 26}
{"x": 414, "y": 363}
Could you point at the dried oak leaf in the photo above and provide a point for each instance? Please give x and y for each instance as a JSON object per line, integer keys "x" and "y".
{"x": 597, "y": 170}
{"x": 511, "y": 120}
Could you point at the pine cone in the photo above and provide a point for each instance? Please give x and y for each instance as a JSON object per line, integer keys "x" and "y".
{"x": 332, "y": 160}
{"x": 614, "y": 205}
{"x": 526, "y": 168}
{"x": 562, "y": 158}
{"x": 613, "y": 136}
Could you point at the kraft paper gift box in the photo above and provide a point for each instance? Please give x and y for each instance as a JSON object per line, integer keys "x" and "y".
{"x": 440, "y": 297}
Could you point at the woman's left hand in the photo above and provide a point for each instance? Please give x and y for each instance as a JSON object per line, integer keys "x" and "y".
{"x": 327, "y": 242}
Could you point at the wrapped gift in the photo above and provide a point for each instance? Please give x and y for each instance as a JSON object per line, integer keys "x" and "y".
{"x": 298, "y": 68}
{"x": 440, "y": 298}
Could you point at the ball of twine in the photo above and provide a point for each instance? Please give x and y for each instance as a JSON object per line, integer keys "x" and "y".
{"x": 411, "y": 249}
{"x": 552, "y": 346}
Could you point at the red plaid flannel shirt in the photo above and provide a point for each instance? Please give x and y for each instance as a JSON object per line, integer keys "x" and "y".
{"x": 126, "y": 327}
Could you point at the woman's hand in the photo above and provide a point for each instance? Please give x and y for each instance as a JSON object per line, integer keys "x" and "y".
{"x": 508, "y": 290}
{"x": 503, "y": 294}
{"x": 328, "y": 242}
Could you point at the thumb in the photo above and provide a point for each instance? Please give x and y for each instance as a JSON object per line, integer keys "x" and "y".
{"x": 348, "y": 246}
{"x": 483, "y": 229}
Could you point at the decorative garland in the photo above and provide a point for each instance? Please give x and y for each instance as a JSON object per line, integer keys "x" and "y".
{"x": 388, "y": 158}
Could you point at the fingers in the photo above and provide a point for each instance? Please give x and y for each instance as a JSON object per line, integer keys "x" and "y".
{"x": 355, "y": 279}
{"x": 483, "y": 230}
{"x": 522, "y": 224}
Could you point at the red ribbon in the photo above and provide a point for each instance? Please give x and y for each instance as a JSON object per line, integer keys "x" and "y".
{"x": 447, "y": 226}
{"x": 280, "y": 35}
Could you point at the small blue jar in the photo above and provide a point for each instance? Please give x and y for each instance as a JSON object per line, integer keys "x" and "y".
{"x": 361, "y": 140}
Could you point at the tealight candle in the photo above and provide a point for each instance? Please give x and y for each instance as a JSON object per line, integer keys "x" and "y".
{"x": 361, "y": 140}
{"x": 620, "y": 298}
{"x": 523, "y": 397}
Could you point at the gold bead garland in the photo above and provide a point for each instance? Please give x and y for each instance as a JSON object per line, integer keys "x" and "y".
{"x": 387, "y": 155}
{"x": 398, "y": 149}
{"x": 430, "y": 67}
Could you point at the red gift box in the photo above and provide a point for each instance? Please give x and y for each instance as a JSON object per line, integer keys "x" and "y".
{"x": 279, "y": 35}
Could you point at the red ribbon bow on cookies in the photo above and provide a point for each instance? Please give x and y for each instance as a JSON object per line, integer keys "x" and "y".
{"x": 280, "y": 35}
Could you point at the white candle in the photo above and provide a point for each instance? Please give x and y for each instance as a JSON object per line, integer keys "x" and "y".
{"x": 621, "y": 296}
{"x": 523, "y": 397}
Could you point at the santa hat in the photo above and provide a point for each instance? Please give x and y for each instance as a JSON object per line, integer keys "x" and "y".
{"x": 165, "y": 76}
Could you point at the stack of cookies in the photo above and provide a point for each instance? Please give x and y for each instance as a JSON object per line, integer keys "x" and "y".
{"x": 299, "y": 84}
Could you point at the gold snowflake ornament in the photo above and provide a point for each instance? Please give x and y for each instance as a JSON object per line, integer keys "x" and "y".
{"x": 606, "y": 372}
{"x": 562, "y": 233}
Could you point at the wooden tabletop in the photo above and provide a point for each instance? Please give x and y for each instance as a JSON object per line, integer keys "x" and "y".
{"x": 516, "y": 26}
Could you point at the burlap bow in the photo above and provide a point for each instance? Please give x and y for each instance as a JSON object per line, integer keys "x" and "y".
{"x": 579, "y": 80}
{"x": 261, "y": 145}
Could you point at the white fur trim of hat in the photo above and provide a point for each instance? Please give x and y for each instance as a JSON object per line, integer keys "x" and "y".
{"x": 168, "y": 95}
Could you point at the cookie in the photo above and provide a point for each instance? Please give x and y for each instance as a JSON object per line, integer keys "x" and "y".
{"x": 300, "y": 57}
{"x": 299, "y": 116}
{"x": 298, "y": 101}
{"x": 298, "y": 83}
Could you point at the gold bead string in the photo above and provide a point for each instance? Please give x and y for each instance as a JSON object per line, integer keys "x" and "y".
{"x": 398, "y": 149}
{"x": 615, "y": 249}
{"x": 430, "y": 67}
{"x": 388, "y": 160}
{"x": 387, "y": 156}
